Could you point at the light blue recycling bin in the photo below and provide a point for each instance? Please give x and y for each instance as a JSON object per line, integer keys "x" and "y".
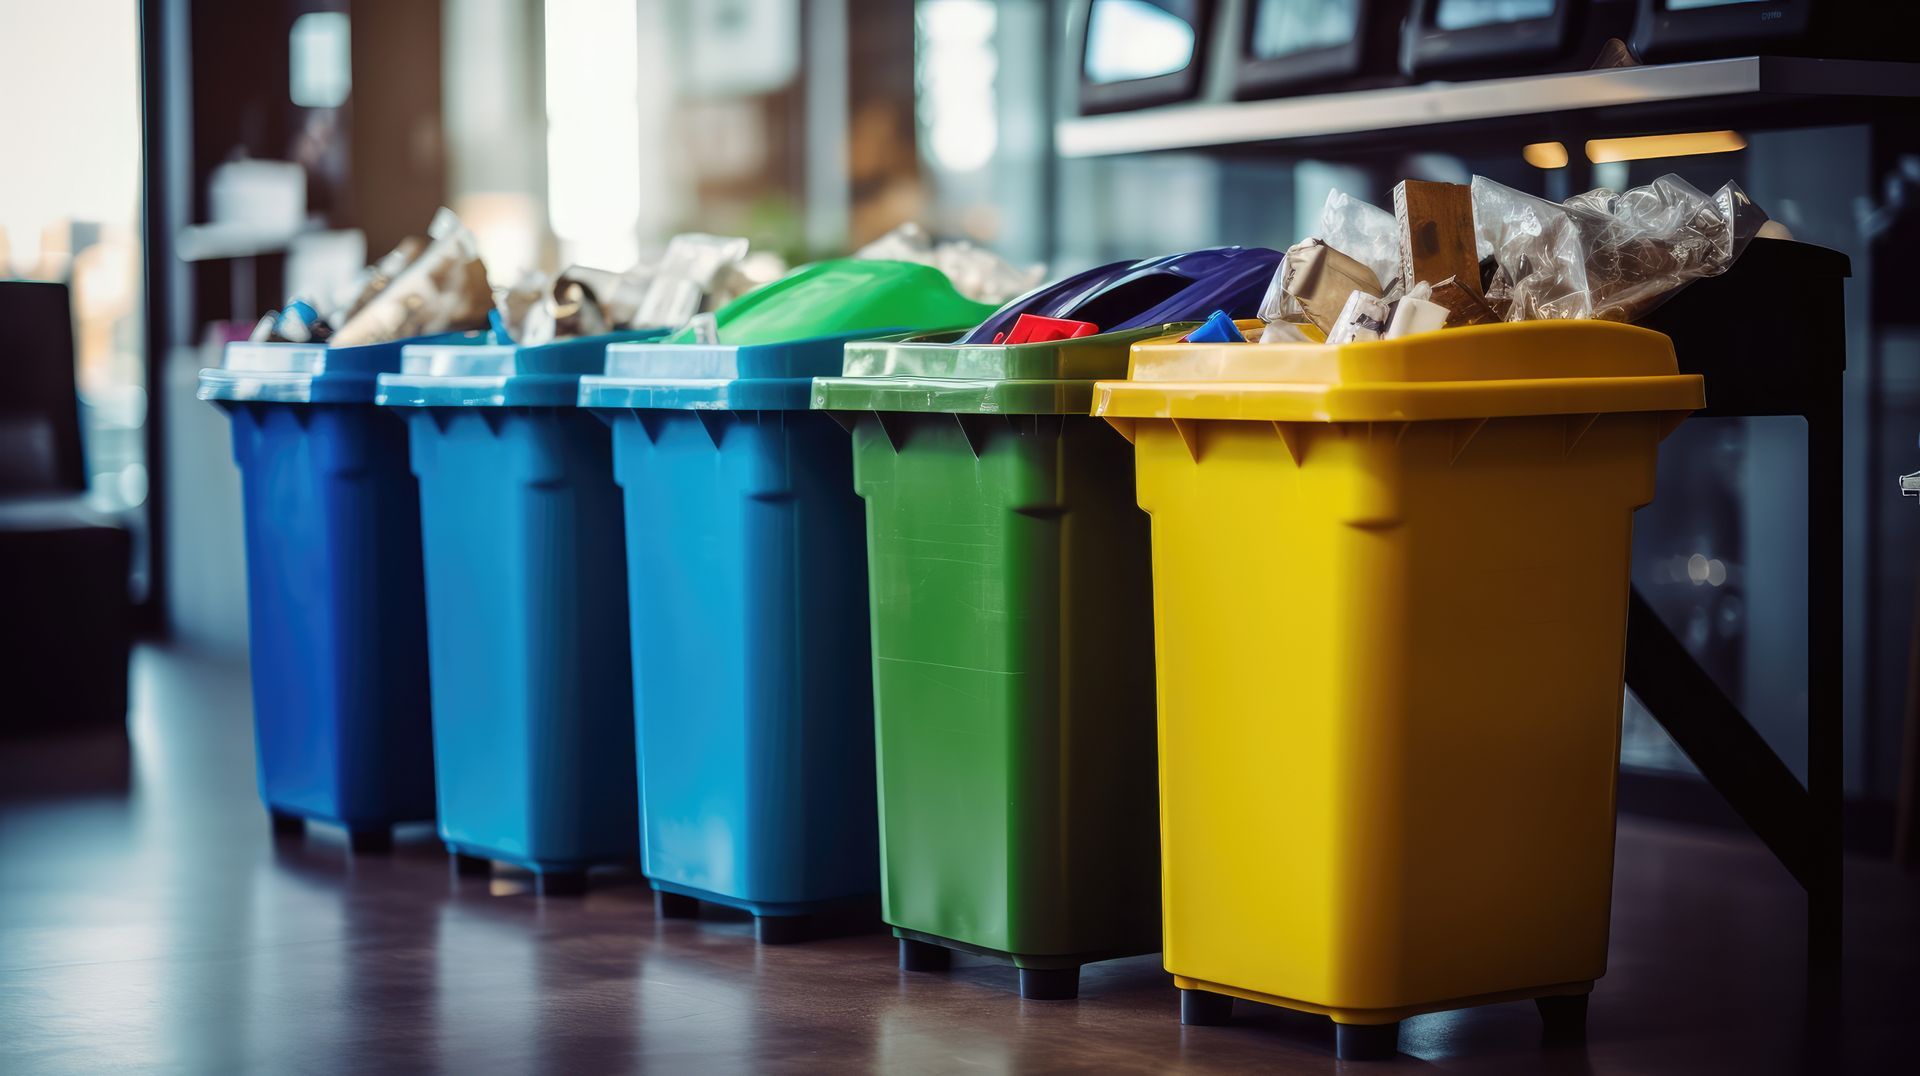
{"x": 746, "y": 549}
{"x": 526, "y": 606}
{"x": 336, "y": 620}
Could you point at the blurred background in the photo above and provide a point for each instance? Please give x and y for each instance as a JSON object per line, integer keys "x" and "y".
{"x": 185, "y": 165}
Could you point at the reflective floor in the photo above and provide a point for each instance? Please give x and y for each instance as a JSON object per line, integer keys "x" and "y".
{"x": 149, "y": 921}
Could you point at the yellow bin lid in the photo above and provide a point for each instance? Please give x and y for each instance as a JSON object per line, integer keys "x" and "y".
{"x": 1482, "y": 371}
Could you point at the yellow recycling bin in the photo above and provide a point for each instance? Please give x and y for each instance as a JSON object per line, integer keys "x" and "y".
{"x": 1390, "y": 588}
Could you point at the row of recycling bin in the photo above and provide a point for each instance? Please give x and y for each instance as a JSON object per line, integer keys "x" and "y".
{"x": 686, "y": 602}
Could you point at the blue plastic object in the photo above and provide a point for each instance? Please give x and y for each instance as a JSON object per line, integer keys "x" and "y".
{"x": 1217, "y": 329}
{"x": 1157, "y": 291}
{"x": 747, "y": 549}
{"x": 526, "y": 603}
{"x": 336, "y": 613}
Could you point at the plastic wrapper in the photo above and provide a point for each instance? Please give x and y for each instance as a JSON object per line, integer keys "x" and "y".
{"x": 682, "y": 278}
{"x": 567, "y": 309}
{"x": 619, "y": 294}
{"x": 1364, "y": 317}
{"x": 1276, "y": 306}
{"x": 444, "y": 290}
{"x": 976, "y": 272}
{"x": 1320, "y": 279}
{"x": 760, "y": 268}
{"x": 1364, "y": 232}
{"x": 516, "y": 302}
{"x": 374, "y": 278}
{"x": 1416, "y": 312}
{"x": 1612, "y": 256}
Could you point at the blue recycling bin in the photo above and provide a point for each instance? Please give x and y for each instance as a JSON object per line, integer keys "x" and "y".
{"x": 526, "y": 606}
{"x": 336, "y": 615}
{"x": 746, "y": 549}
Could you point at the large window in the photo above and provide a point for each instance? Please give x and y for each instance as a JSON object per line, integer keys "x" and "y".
{"x": 70, "y": 212}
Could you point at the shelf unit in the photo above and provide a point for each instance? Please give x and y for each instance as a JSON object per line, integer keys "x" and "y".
{"x": 1754, "y": 91}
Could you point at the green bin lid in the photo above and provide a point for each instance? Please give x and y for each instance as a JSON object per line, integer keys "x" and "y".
{"x": 844, "y": 295}
{"x": 931, "y": 373}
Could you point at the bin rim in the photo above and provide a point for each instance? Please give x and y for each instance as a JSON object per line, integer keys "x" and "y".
{"x": 1505, "y": 370}
{"x": 272, "y": 371}
{"x": 941, "y": 375}
{"x": 732, "y": 377}
{"x": 499, "y": 374}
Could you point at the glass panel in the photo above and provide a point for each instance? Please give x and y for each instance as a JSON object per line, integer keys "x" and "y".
{"x": 1467, "y": 14}
{"x": 1136, "y": 39}
{"x": 78, "y": 65}
{"x": 1284, "y": 27}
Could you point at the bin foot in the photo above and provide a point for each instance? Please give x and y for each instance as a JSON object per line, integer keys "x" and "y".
{"x": 674, "y": 906}
{"x": 287, "y": 825}
{"x": 924, "y": 956}
{"x": 1563, "y": 1019}
{"x": 780, "y": 929}
{"x": 1366, "y": 1042}
{"x": 1201, "y": 1008}
{"x": 466, "y": 866}
{"x": 561, "y": 883}
{"x": 367, "y": 839}
{"x": 1049, "y": 984}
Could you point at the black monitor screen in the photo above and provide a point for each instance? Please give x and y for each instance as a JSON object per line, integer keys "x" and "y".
{"x": 1690, "y": 5}
{"x": 1284, "y": 27}
{"x": 1135, "y": 39}
{"x": 1467, "y": 14}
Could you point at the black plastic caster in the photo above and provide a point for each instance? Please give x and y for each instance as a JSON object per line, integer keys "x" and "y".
{"x": 370, "y": 839}
{"x": 1049, "y": 984}
{"x": 1563, "y": 1018}
{"x": 287, "y": 825}
{"x": 466, "y": 866}
{"x": 674, "y": 906}
{"x": 1199, "y": 1008}
{"x": 561, "y": 883}
{"x": 924, "y": 956}
{"x": 1366, "y": 1042}
{"x": 779, "y": 929}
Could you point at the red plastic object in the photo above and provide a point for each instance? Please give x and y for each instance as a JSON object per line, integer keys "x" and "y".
{"x": 1034, "y": 329}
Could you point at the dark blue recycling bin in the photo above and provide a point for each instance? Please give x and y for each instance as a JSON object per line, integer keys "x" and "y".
{"x": 526, "y": 603}
{"x": 336, "y": 615}
{"x": 746, "y": 554}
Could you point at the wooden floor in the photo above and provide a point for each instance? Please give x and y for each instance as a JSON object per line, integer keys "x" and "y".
{"x": 148, "y": 921}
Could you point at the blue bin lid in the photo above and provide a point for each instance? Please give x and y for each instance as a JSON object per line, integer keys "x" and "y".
{"x": 726, "y": 377}
{"x": 310, "y": 373}
{"x": 500, "y": 375}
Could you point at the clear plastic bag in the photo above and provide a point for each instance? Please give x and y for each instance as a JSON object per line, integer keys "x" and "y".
{"x": 1612, "y": 256}
{"x": 443, "y": 290}
{"x": 1364, "y": 232}
{"x": 681, "y": 279}
{"x": 976, "y": 272}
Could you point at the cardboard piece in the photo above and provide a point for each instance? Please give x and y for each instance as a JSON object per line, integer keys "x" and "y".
{"x": 1436, "y": 233}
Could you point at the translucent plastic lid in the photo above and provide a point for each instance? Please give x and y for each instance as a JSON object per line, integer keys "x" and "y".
{"x": 1482, "y": 371}
{"x": 745, "y": 377}
{"x": 1054, "y": 377}
{"x": 311, "y": 373}
{"x": 499, "y": 375}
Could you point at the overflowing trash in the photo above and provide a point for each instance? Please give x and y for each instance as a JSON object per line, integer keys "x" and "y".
{"x": 438, "y": 284}
{"x": 976, "y": 272}
{"x": 443, "y": 289}
{"x": 1453, "y": 254}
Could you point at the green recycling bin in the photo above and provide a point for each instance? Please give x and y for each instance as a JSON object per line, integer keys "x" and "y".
{"x": 1009, "y": 576}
